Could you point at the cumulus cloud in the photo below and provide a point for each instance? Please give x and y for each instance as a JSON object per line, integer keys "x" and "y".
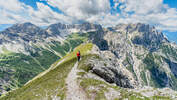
{"x": 10, "y": 4}
{"x": 143, "y": 6}
{"x": 45, "y": 15}
{"x": 82, "y": 9}
{"x": 19, "y": 13}
{"x": 152, "y": 12}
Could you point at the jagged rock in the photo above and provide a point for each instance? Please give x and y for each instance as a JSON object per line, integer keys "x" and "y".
{"x": 111, "y": 73}
{"x": 111, "y": 76}
{"x": 104, "y": 73}
{"x": 131, "y": 44}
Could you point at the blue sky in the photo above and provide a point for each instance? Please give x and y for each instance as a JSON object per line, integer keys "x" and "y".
{"x": 171, "y": 35}
{"x": 4, "y": 26}
{"x": 161, "y": 13}
{"x": 171, "y": 3}
{"x": 33, "y": 4}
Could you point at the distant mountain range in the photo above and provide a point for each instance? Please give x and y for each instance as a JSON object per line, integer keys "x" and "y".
{"x": 130, "y": 56}
{"x": 172, "y": 36}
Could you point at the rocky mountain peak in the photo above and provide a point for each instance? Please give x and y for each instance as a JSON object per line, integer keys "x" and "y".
{"x": 139, "y": 27}
{"x": 57, "y": 25}
{"x": 26, "y": 24}
{"x": 24, "y": 32}
{"x": 141, "y": 34}
{"x": 24, "y": 28}
{"x": 89, "y": 26}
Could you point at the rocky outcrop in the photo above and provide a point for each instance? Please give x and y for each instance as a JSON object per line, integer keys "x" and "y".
{"x": 112, "y": 73}
{"x": 104, "y": 73}
{"x": 128, "y": 61}
{"x": 113, "y": 76}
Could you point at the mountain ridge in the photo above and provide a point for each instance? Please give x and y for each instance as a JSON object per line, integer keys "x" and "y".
{"x": 128, "y": 55}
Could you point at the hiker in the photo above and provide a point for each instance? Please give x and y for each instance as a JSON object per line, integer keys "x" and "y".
{"x": 78, "y": 56}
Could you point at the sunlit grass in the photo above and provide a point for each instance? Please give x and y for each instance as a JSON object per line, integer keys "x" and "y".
{"x": 50, "y": 84}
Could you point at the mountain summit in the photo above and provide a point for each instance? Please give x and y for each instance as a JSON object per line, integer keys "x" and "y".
{"x": 26, "y": 31}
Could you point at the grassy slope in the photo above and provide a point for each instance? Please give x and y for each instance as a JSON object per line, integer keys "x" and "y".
{"x": 25, "y": 67}
{"x": 52, "y": 83}
{"x": 70, "y": 43}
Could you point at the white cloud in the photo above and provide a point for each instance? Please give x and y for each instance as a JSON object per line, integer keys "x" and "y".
{"x": 143, "y": 6}
{"x": 19, "y": 13}
{"x": 82, "y": 9}
{"x": 152, "y": 12}
{"x": 10, "y": 4}
{"x": 97, "y": 11}
{"x": 45, "y": 15}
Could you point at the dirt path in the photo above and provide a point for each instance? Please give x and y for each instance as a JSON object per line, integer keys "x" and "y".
{"x": 74, "y": 92}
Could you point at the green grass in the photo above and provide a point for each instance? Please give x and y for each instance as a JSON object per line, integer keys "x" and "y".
{"x": 81, "y": 73}
{"x": 132, "y": 95}
{"x": 22, "y": 71}
{"x": 86, "y": 83}
{"x": 83, "y": 48}
{"x": 25, "y": 67}
{"x": 20, "y": 68}
{"x": 161, "y": 98}
{"x": 70, "y": 43}
{"x": 58, "y": 47}
{"x": 52, "y": 83}
{"x": 5, "y": 51}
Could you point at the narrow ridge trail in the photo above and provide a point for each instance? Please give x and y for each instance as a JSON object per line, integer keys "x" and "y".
{"x": 74, "y": 92}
